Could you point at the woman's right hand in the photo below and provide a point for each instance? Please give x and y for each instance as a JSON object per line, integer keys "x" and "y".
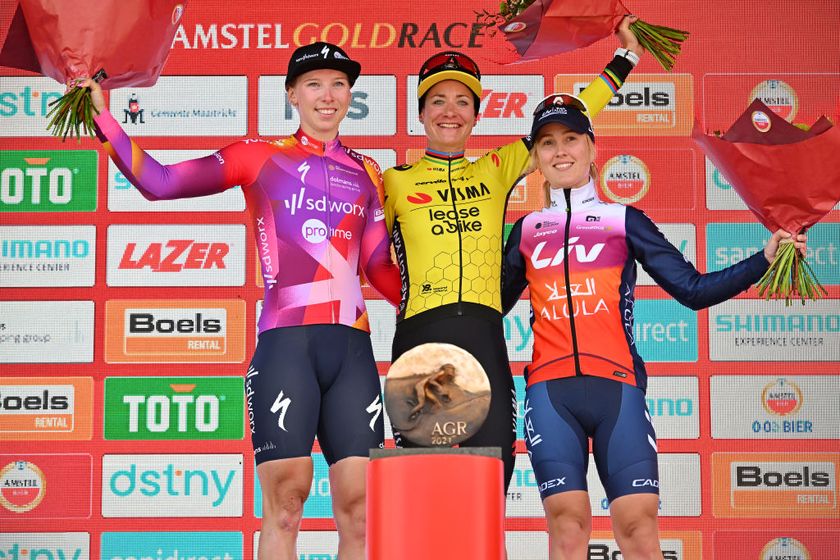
{"x": 96, "y": 94}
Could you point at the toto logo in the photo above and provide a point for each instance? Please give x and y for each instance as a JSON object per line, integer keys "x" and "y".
{"x": 22, "y": 486}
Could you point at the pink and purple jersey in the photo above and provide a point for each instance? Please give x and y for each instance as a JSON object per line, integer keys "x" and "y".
{"x": 316, "y": 213}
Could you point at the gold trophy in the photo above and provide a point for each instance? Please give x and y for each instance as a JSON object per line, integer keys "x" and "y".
{"x": 437, "y": 395}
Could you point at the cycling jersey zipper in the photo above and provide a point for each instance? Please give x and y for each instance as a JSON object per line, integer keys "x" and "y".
{"x": 460, "y": 239}
{"x": 567, "y": 193}
{"x": 325, "y": 167}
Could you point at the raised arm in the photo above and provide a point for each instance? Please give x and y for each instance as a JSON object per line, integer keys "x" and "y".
{"x": 598, "y": 93}
{"x": 197, "y": 177}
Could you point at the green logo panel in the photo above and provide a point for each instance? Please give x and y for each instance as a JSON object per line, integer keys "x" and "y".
{"x": 48, "y": 180}
{"x": 168, "y": 408}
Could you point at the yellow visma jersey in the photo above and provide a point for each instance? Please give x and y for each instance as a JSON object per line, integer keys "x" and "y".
{"x": 446, "y": 218}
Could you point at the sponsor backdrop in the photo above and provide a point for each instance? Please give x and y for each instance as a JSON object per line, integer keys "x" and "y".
{"x": 126, "y": 326}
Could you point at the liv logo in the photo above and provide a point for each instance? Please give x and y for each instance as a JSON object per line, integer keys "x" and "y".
{"x": 166, "y": 546}
{"x": 172, "y": 485}
{"x": 174, "y": 408}
{"x": 45, "y": 546}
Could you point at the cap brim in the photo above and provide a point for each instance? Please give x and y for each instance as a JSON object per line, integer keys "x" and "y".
{"x": 349, "y": 67}
{"x": 578, "y": 122}
{"x": 459, "y": 76}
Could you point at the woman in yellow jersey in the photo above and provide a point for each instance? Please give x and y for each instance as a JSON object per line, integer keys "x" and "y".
{"x": 446, "y": 218}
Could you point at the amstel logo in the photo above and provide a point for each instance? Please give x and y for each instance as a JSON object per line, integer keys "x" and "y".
{"x": 22, "y": 486}
{"x": 785, "y": 547}
{"x": 625, "y": 179}
{"x": 781, "y": 397}
{"x": 778, "y": 96}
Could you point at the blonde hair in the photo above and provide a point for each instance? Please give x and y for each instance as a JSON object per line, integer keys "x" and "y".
{"x": 546, "y": 187}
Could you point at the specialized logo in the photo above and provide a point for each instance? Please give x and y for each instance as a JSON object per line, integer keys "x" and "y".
{"x": 174, "y": 331}
{"x": 625, "y": 179}
{"x": 203, "y": 408}
{"x": 779, "y": 97}
{"x": 374, "y": 409}
{"x": 172, "y": 485}
{"x": 45, "y": 408}
{"x": 781, "y": 397}
{"x": 48, "y": 181}
{"x": 775, "y": 484}
{"x": 22, "y": 486}
{"x": 280, "y": 407}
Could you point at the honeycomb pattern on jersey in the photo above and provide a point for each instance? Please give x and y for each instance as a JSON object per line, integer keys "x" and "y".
{"x": 439, "y": 285}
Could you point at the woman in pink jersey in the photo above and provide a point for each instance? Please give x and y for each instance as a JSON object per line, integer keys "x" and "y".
{"x": 586, "y": 380}
{"x": 318, "y": 221}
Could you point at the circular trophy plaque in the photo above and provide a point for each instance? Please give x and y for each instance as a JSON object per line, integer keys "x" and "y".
{"x": 437, "y": 395}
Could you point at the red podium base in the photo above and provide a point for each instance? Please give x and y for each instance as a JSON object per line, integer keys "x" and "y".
{"x": 435, "y": 504}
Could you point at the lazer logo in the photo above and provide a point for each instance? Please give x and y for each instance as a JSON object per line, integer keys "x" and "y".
{"x": 503, "y": 104}
{"x": 282, "y": 405}
{"x": 175, "y": 255}
{"x": 300, "y": 202}
{"x": 466, "y": 193}
{"x": 142, "y": 323}
{"x": 579, "y": 252}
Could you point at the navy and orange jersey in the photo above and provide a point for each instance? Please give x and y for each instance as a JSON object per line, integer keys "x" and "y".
{"x": 316, "y": 212}
{"x": 582, "y": 290}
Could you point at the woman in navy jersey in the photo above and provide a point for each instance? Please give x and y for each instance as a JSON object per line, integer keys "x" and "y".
{"x": 586, "y": 379}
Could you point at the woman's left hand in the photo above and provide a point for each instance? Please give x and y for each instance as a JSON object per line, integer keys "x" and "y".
{"x": 773, "y": 244}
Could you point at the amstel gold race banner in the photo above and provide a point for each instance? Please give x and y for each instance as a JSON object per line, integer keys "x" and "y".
{"x": 127, "y": 326}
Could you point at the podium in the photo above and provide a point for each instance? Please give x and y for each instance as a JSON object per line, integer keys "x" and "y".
{"x": 435, "y": 504}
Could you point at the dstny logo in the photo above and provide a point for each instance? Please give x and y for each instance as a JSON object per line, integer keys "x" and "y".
{"x": 172, "y": 485}
{"x": 138, "y": 408}
{"x": 45, "y": 546}
{"x": 48, "y": 181}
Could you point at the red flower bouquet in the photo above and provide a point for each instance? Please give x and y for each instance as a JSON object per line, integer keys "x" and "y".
{"x": 788, "y": 177}
{"x": 540, "y": 28}
{"x": 117, "y": 43}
